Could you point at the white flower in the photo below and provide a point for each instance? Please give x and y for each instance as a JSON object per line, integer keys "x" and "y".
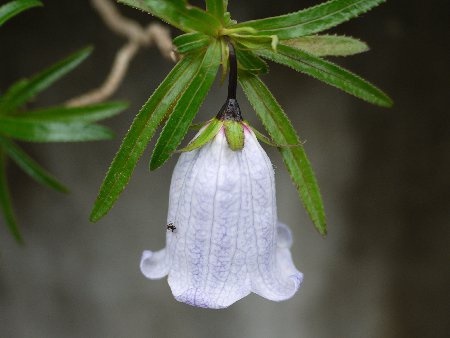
{"x": 227, "y": 240}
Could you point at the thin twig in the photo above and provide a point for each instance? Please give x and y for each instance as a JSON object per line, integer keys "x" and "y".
{"x": 138, "y": 37}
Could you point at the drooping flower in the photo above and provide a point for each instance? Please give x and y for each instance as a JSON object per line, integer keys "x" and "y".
{"x": 224, "y": 239}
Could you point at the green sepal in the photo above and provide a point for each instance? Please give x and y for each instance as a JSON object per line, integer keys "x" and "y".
{"x": 12, "y": 8}
{"x": 24, "y": 90}
{"x": 5, "y": 201}
{"x": 190, "y": 42}
{"x": 310, "y": 20}
{"x": 187, "y": 107}
{"x": 179, "y": 14}
{"x": 328, "y": 45}
{"x": 234, "y": 133}
{"x": 207, "y": 134}
{"x": 30, "y": 167}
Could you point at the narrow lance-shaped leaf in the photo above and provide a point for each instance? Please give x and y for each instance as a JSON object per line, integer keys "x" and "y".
{"x": 248, "y": 61}
{"x": 328, "y": 45}
{"x": 35, "y": 130}
{"x": 85, "y": 114}
{"x": 187, "y": 107}
{"x": 327, "y": 72}
{"x": 282, "y": 132}
{"x": 5, "y": 201}
{"x": 216, "y": 8}
{"x": 179, "y": 14}
{"x": 24, "y": 90}
{"x": 29, "y": 166}
{"x": 191, "y": 41}
{"x": 311, "y": 20}
{"x": 160, "y": 104}
{"x": 12, "y": 8}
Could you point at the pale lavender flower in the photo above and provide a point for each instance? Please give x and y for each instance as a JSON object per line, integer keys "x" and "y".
{"x": 227, "y": 240}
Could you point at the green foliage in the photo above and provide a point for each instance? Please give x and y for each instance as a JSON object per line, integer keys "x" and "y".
{"x": 191, "y": 41}
{"x": 179, "y": 14}
{"x": 5, "y": 201}
{"x": 327, "y": 72}
{"x": 12, "y": 8}
{"x": 216, "y": 7}
{"x": 311, "y": 20}
{"x": 282, "y": 132}
{"x": 29, "y": 166}
{"x": 37, "y": 130}
{"x": 250, "y": 62}
{"x": 24, "y": 90}
{"x": 286, "y": 39}
{"x": 55, "y": 124}
{"x": 187, "y": 106}
{"x": 143, "y": 128}
{"x": 328, "y": 45}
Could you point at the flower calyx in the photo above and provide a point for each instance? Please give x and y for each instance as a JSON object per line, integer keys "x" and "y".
{"x": 233, "y": 130}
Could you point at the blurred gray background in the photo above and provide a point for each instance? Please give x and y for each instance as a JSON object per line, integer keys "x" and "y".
{"x": 383, "y": 270}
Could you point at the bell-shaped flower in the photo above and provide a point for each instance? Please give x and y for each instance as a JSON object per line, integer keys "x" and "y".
{"x": 224, "y": 239}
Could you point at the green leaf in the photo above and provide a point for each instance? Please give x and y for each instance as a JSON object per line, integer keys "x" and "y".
{"x": 282, "y": 132}
{"x": 311, "y": 20}
{"x": 263, "y": 138}
{"x": 35, "y": 130}
{"x": 12, "y": 8}
{"x": 328, "y": 45}
{"x": 29, "y": 166}
{"x": 249, "y": 41}
{"x": 187, "y": 107}
{"x": 83, "y": 114}
{"x": 160, "y": 104}
{"x": 216, "y": 8}
{"x": 26, "y": 89}
{"x": 327, "y": 72}
{"x": 248, "y": 61}
{"x": 206, "y": 135}
{"x": 179, "y": 14}
{"x": 5, "y": 201}
{"x": 191, "y": 41}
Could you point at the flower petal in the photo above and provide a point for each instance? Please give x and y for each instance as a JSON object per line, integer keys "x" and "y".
{"x": 284, "y": 234}
{"x": 155, "y": 265}
{"x": 208, "y": 270}
{"x": 276, "y": 277}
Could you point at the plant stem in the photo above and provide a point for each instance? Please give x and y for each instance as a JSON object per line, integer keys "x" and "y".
{"x": 230, "y": 110}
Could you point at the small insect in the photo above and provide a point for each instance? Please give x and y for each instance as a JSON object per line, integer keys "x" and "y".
{"x": 171, "y": 227}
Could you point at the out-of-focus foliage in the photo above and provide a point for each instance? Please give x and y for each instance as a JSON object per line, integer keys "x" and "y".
{"x": 52, "y": 124}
